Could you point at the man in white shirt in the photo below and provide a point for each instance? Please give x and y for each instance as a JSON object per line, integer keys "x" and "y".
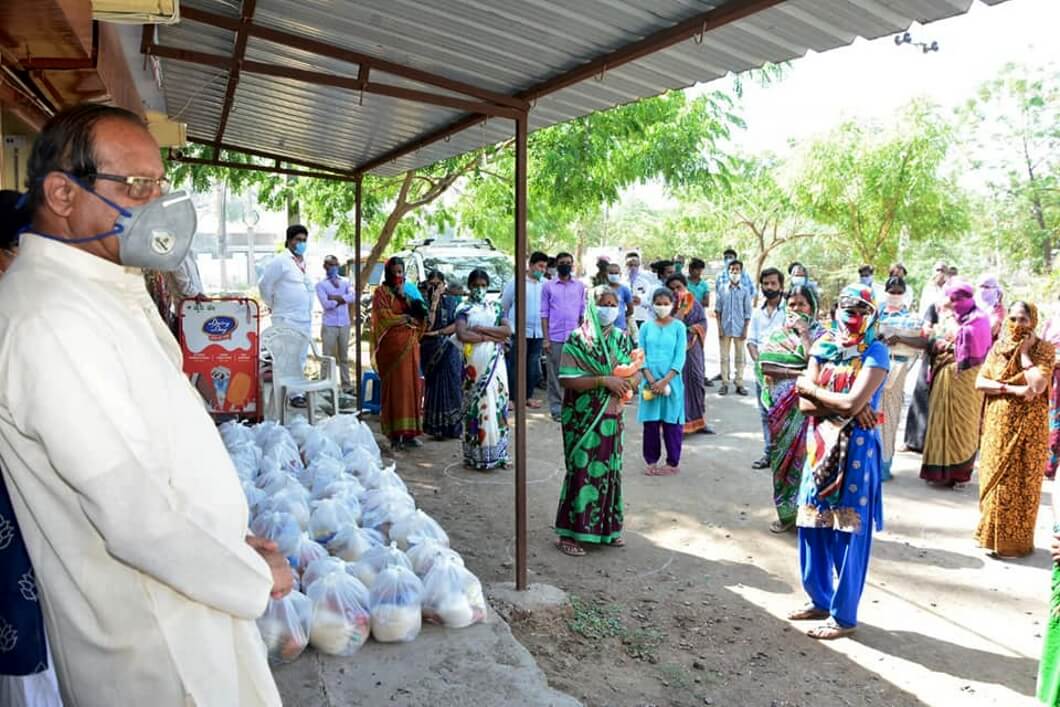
{"x": 642, "y": 284}
{"x": 766, "y": 319}
{"x": 288, "y": 291}
{"x": 535, "y": 284}
{"x": 935, "y": 289}
{"x": 129, "y": 505}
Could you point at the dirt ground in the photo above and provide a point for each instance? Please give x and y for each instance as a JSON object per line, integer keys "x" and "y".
{"x": 691, "y": 611}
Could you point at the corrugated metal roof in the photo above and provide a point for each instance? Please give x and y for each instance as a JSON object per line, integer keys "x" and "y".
{"x": 505, "y": 46}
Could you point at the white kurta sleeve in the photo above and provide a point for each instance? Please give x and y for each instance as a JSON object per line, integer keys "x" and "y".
{"x": 79, "y": 403}
{"x": 269, "y": 279}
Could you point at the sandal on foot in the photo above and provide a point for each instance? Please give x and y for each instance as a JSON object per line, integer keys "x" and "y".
{"x": 808, "y": 613}
{"x": 652, "y": 470}
{"x": 617, "y": 542}
{"x": 779, "y": 527}
{"x": 830, "y": 630}
{"x": 570, "y": 548}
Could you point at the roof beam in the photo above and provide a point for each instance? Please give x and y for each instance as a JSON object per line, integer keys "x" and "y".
{"x": 274, "y": 169}
{"x": 238, "y": 55}
{"x": 313, "y": 46}
{"x": 322, "y": 79}
{"x": 696, "y": 26}
{"x": 227, "y": 147}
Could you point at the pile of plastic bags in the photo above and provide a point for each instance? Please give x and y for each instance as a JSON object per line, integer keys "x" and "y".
{"x": 365, "y": 560}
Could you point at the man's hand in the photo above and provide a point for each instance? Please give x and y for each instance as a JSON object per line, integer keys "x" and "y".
{"x": 337, "y": 298}
{"x": 866, "y": 419}
{"x": 282, "y": 578}
{"x": 546, "y": 345}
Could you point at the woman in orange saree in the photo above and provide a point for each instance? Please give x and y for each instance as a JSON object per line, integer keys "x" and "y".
{"x": 397, "y": 324}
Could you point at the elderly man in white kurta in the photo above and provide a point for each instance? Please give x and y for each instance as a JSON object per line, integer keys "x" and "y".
{"x": 131, "y": 510}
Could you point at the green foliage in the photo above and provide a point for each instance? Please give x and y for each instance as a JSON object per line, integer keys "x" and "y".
{"x": 875, "y": 186}
{"x": 1013, "y": 124}
{"x": 578, "y": 168}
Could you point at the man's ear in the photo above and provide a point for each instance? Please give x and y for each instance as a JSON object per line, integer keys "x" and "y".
{"x": 59, "y": 194}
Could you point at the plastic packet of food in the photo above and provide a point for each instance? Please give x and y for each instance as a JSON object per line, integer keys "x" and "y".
{"x": 424, "y": 555}
{"x": 281, "y": 528}
{"x": 292, "y": 499}
{"x": 352, "y": 542}
{"x": 285, "y": 625}
{"x": 341, "y": 621}
{"x": 329, "y": 517}
{"x": 321, "y": 567}
{"x": 381, "y": 508}
{"x": 396, "y": 604}
{"x": 414, "y": 528}
{"x": 452, "y": 596}
{"x": 308, "y": 551}
{"x": 360, "y": 462}
{"x": 375, "y": 560}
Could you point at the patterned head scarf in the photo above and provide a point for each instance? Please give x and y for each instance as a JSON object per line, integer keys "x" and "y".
{"x": 853, "y": 332}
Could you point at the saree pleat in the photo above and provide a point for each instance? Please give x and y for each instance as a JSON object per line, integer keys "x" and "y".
{"x": 952, "y": 438}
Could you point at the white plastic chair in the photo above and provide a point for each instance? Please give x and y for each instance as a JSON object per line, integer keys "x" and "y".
{"x": 284, "y": 346}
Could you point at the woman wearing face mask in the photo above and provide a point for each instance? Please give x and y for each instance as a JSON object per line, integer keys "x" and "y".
{"x": 952, "y": 438}
{"x": 662, "y": 405}
{"x": 590, "y": 504}
{"x": 783, "y": 357}
{"x": 1015, "y": 379}
{"x": 398, "y": 314}
{"x": 693, "y": 376}
{"x": 482, "y": 328}
{"x": 900, "y": 328}
{"x": 990, "y": 298}
{"x": 840, "y": 499}
{"x": 443, "y": 364}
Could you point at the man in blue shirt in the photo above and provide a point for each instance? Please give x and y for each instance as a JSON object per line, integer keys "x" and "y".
{"x": 535, "y": 282}
{"x": 729, "y": 256}
{"x": 733, "y": 309}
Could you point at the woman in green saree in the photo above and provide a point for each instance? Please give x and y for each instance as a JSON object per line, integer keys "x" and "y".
{"x": 590, "y": 504}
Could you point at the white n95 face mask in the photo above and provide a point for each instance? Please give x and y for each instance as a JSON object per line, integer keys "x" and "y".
{"x": 607, "y": 315}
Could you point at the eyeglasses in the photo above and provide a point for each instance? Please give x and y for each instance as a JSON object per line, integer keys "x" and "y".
{"x": 139, "y": 187}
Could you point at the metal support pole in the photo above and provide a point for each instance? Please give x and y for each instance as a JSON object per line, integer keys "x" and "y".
{"x": 357, "y": 286}
{"x": 520, "y": 351}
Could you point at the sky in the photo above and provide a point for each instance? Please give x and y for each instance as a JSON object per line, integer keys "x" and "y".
{"x": 873, "y": 79}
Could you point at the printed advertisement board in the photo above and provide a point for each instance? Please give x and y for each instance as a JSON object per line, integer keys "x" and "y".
{"x": 219, "y": 338}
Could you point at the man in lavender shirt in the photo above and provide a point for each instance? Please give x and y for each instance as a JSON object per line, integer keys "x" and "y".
{"x": 335, "y": 295}
{"x": 562, "y": 309}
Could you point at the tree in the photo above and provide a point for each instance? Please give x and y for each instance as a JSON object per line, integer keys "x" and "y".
{"x": 874, "y": 186}
{"x": 1014, "y": 123}
{"x": 579, "y": 167}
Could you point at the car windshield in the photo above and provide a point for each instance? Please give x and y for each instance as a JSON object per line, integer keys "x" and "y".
{"x": 457, "y": 268}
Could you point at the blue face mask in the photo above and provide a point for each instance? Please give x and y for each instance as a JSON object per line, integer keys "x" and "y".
{"x": 866, "y": 280}
{"x": 299, "y": 248}
{"x": 333, "y": 272}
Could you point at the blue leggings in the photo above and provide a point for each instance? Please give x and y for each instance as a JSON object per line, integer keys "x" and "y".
{"x": 823, "y": 551}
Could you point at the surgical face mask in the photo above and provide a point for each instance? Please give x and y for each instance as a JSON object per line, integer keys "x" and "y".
{"x": 662, "y": 311}
{"x": 866, "y": 280}
{"x": 536, "y": 274}
{"x": 564, "y": 270}
{"x": 607, "y": 315}
{"x": 728, "y": 259}
{"x": 552, "y": 272}
{"x": 299, "y": 248}
{"x": 155, "y": 236}
{"x": 614, "y": 279}
{"x": 895, "y": 301}
{"x": 734, "y": 277}
{"x": 798, "y": 280}
{"x": 333, "y": 272}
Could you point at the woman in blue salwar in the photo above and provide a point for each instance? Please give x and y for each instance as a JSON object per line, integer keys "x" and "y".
{"x": 840, "y": 499}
